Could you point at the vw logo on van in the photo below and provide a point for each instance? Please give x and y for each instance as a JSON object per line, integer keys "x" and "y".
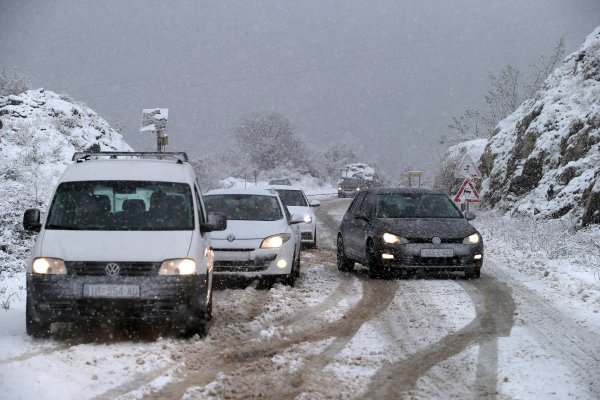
{"x": 231, "y": 237}
{"x": 436, "y": 240}
{"x": 112, "y": 269}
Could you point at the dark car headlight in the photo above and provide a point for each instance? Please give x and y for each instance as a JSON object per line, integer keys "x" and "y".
{"x": 472, "y": 239}
{"x": 390, "y": 238}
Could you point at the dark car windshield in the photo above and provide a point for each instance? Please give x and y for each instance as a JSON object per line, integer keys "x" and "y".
{"x": 244, "y": 207}
{"x": 122, "y": 205}
{"x": 292, "y": 198}
{"x": 416, "y": 205}
{"x": 350, "y": 183}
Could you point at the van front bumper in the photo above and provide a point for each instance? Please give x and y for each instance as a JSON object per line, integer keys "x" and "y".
{"x": 65, "y": 298}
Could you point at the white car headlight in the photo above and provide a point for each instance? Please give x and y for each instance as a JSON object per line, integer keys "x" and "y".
{"x": 178, "y": 266}
{"x": 307, "y": 219}
{"x": 49, "y": 266}
{"x": 275, "y": 241}
{"x": 472, "y": 239}
{"x": 392, "y": 239}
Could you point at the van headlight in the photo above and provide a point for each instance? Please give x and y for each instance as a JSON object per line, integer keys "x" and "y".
{"x": 472, "y": 239}
{"x": 393, "y": 239}
{"x": 49, "y": 266}
{"x": 275, "y": 241}
{"x": 178, "y": 266}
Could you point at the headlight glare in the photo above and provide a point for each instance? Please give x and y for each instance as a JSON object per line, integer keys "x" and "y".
{"x": 275, "y": 241}
{"x": 393, "y": 239}
{"x": 49, "y": 266}
{"x": 472, "y": 239}
{"x": 178, "y": 266}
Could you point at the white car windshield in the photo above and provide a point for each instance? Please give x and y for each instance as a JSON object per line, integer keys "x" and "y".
{"x": 244, "y": 207}
{"x": 121, "y": 206}
{"x": 292, "y": 198}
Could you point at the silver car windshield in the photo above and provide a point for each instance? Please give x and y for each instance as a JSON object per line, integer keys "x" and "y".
{"x": 244, "y": 207}
{"x": 121, "y": 205}
{"x": 416, "y": 205}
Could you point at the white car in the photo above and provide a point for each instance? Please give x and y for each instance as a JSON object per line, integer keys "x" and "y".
{"x": 126, "y": 238}
{"x": 262, "y": 238}
{"x": 295, "y": 200}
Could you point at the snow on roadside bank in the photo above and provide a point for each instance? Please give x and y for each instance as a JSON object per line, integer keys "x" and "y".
{"x": 560, "y": 263}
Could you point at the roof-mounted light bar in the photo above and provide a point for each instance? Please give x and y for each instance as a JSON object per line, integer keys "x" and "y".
{"x": 180, "y": 156}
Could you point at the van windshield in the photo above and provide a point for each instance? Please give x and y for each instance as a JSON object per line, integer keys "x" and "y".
{"x": 122, "y": 206}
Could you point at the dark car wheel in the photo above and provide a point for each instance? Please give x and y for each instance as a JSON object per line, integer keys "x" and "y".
{"x": 373, "y": 262}
{"x": 37, "y": 329}
{"x": 343, "y": 263}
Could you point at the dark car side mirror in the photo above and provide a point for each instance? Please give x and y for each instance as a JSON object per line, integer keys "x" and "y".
{"x": 469, "y": 215}
{"x": 216, "y": 222}
{"x": 361, "y": 215}
{"x": 31, "y": 220}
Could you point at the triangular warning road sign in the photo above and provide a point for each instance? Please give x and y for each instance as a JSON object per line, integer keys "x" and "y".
{"x": 467, "y": 193}
{"x": 467, "y": 169}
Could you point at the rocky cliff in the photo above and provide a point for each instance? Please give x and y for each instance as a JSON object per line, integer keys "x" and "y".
{"x": 544, "y": 159}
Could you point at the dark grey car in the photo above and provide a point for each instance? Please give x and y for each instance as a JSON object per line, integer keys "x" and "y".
{"x": 403, "y": 229}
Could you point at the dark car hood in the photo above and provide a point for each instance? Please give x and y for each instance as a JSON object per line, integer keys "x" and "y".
{"x": 451, "y": 228}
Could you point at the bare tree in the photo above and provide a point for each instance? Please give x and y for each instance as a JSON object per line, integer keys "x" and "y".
{"x": 544, "y": 67}
{"x": 269, "y": 140}
{"x": 12, "y": 84}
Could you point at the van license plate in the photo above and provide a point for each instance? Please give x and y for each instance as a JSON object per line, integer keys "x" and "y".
{"x": 437, "y": 253}
{"x": 112, "y": 291}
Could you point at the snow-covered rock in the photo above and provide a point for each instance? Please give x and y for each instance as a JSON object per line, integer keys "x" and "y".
{"x": 545, "y": 158}
{"x": 39, "y": 132}
{"x": 359, "y": 170}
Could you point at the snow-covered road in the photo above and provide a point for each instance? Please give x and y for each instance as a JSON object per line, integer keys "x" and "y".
{"x": 334, "y": 335}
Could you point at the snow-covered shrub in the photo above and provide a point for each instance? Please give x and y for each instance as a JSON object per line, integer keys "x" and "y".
{"x": 12, "y": 84}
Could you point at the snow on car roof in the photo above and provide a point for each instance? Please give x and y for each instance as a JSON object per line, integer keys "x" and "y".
{"x": 252, "y": 190}
{"x": 284, "y": 187}
{"x": 129, "y": 170}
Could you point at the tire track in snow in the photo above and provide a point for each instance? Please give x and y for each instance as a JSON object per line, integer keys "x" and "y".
{"x": 495, "y": 309}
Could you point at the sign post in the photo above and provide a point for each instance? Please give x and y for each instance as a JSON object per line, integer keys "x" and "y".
{"x": 411, "y": 174}
{"x": 155, "y": 120}
{"x": 467, "y": 169}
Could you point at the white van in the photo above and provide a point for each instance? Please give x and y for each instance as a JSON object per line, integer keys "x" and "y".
{"x": 126, "y": 238}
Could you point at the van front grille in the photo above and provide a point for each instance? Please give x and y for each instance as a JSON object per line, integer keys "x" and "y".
{"x": 87, "y": 268}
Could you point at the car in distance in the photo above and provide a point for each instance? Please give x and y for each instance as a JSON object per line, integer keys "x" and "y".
{"x": 403, "y": 229}
{"x": 262, "y": 238}
{"x": 295, "y": 200}
{"x": 286, "y": 182}
{"x": 349, "y": 187}
{"x": 126, "y": 238}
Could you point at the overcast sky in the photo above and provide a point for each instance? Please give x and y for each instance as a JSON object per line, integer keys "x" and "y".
{"x": 383, "y": 76}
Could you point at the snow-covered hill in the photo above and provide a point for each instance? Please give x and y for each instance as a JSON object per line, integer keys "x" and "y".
{"x": 39, "y": 132}
{"x": 545, "y": 158}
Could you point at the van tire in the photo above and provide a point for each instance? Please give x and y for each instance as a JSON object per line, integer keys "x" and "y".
{"x": 36, "y": 329}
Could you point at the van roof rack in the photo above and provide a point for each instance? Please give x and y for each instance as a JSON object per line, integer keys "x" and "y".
{"x": 180, "y": 156}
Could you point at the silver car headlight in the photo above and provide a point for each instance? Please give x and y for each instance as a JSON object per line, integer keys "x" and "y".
{"x": 49, "y": 266}
{"x": 275, "y": 241}
{"x": 178, "y": 266}
{"x": 472, "y": 239}
{"x": 394, "y": 239}
{"x": 307, "y": 219}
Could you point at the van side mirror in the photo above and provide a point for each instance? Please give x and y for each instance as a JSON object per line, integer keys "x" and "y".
{"x": 216, "y": 222}
{"x": 469, "y": 215}
{"x": 31, "y": 220}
